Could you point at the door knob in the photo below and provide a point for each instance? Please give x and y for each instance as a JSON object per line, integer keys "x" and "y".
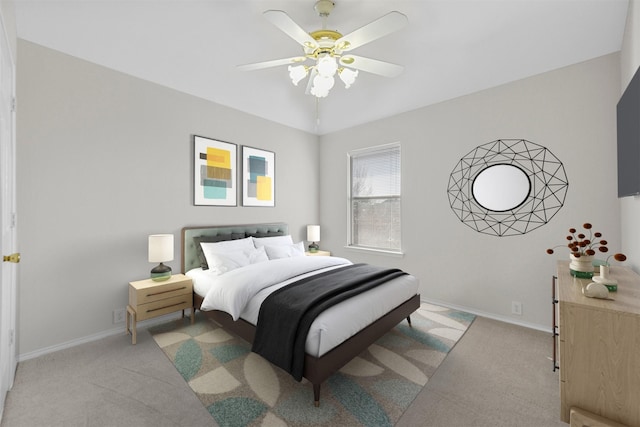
{"x": 12, "y": 258}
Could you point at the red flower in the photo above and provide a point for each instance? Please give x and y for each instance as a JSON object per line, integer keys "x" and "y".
{"x": 582, "y": 245}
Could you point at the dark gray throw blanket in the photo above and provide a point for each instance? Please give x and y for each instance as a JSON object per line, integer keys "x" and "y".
{"x": 287, "y": 314}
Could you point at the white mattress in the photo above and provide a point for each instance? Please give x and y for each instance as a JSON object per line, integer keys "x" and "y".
{"x": 337, "y": 323}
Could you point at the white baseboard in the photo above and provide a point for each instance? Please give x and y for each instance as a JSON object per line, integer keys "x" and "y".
{"x": 493, "y": 316}
{"x": 151, "y": 322}
{"x": 95, "y": 337}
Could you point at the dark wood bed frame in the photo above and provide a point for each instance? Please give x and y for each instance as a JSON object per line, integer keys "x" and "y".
{"x": 316, "y": 369}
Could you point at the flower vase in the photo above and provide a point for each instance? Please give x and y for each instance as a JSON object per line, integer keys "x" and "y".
{"x": 582, "y": 266}
{"x": 611, "y": 284}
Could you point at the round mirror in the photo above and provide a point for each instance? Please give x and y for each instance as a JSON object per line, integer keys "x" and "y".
{"x": 507, "y": 187}
{"x": 501, "y": 187}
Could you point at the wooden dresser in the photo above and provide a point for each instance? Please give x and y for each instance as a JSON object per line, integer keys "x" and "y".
{"x": 598, "y": 346}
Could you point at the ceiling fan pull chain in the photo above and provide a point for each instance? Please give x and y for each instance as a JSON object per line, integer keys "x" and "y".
{"x": 317, "y": 113}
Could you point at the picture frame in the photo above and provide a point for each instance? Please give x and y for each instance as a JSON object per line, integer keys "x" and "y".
{"x": 214, "y": 172}
{"x": 258, "y": 177}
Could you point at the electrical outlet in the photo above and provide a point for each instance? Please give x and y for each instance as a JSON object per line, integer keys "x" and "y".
{"x": 516, "y": 308}
{"x": 119, "y": 315}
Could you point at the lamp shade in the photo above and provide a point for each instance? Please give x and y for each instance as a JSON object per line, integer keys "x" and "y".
{"x": 313, "y": 233}
{"x": 160, "y": 247}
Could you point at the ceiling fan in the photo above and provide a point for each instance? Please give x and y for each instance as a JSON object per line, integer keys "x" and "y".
{"x": 328, "y": 51}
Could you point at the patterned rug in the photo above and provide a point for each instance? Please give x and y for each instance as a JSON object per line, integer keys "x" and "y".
{"x": 240, "y": 388}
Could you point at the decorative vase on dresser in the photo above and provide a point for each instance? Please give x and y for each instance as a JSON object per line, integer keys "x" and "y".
{"x": 581, "y": 266}
{"x": 597, "y": 347}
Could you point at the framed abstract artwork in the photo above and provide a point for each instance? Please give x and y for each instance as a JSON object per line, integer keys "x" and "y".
{"x": 215, "y": 172}
{"x": 258, "y": 177}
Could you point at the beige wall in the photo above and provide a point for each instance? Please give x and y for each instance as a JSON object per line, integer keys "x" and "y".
{"x": 104, "y": 159}
{"x": 7, "y": 9}
{"x": 571, "y": 111}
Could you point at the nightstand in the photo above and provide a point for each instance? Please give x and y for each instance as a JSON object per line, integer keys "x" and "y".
{"x": 318, "y": 253}
{"x": 148, "y": 299}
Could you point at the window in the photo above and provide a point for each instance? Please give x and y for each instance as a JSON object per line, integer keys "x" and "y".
{"x": 374, "y": 198}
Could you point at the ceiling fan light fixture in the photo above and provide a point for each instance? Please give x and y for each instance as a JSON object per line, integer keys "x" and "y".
{"x": 322, "y": 85}
{"x": 297, "y": 73}
{"x": 348, "y": 76}
{"x": 326, "y": 47}
{"x": 327, "y": 66}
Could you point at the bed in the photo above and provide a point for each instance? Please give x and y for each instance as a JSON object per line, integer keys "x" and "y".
{"x": 333, "y": 340}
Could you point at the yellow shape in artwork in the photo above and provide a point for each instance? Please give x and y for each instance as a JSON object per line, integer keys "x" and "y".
{"x": 218, "y": 157}
{"x": 263, "y": 188}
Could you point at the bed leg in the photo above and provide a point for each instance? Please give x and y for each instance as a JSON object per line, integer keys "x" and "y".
{"x": 316, "y": 395}
{"x": 409, "y": 320}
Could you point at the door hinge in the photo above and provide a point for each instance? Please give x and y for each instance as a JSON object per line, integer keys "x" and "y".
{"x": 13, "y": 220}
{"x": 13, "y": 104}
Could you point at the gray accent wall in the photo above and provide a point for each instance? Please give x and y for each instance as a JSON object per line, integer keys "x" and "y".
{"x": 105, "y": 159}
{"x": 570, "y": 111}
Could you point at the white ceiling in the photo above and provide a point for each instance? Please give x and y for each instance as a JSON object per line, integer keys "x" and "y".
{"x": 450, "y": 48}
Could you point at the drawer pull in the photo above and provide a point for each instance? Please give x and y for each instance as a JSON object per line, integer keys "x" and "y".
{"x": 166, "y": 306}
{"x": 554, "y": 324}
{"x": 166, "y": 292}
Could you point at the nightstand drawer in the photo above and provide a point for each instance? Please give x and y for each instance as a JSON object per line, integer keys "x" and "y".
{"x": 318, "y": 253}
{"x": 164, "y": 306}
{"x": 147, "y": 291}
{"x": 148, "y": 299}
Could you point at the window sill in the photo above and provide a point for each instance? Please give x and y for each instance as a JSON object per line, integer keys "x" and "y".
{"x": 376, "y": 251}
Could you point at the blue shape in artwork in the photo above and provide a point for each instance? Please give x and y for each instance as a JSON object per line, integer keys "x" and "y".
{"x": 215, "y": 191}
{"x": 222, "y": 183}
{"x": 188, "y": 359}
{"x": 357, "y": 401}
{"x": 257, "y": 167}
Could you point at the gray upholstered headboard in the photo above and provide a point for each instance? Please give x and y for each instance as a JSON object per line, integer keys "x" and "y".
{"x": 190, "y": 257}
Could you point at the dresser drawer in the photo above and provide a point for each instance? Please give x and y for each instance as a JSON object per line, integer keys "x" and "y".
{"x": 164, "y": 306}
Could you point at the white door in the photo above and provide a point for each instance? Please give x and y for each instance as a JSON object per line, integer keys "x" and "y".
{"x": 8, "y": 268}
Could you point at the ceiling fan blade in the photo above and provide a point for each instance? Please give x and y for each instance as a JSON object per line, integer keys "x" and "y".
{"x": 287, "y": 25}
{"x": 387, "y": 24}
{"x": 373, "y": 66}
{"x": 272, "y": 63}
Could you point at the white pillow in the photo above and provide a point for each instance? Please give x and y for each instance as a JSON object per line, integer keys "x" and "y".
{"x": 230, "y": 245}
{"x": 272, "y": 241}
{"x": 220, "y": 263}
{"x": 285, "y": 251}
{"x": 257, "y": 255}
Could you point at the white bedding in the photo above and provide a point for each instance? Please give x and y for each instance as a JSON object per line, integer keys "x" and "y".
{"x": 240, "y": 293}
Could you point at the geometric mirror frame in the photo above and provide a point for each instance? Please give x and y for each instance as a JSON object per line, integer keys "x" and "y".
{"x": 507, "y": 187}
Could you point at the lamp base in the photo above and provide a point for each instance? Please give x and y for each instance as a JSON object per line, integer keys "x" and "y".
{"x": 313, "y": 247}
{"x": 160, "y": 273}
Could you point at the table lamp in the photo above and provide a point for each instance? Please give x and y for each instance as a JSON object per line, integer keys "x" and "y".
{"x": 313, "y": 236}
{"x": 160, "y": 250}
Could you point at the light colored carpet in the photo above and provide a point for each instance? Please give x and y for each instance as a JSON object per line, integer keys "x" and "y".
{"x": 240, "y": 388}
{"x": 497, "y": 375}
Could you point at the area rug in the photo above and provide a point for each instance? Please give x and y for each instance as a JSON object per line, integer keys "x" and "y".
{"x": 240, "y": 388}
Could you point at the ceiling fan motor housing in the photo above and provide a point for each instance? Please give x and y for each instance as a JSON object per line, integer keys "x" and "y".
{"x": 324, "y": 7}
